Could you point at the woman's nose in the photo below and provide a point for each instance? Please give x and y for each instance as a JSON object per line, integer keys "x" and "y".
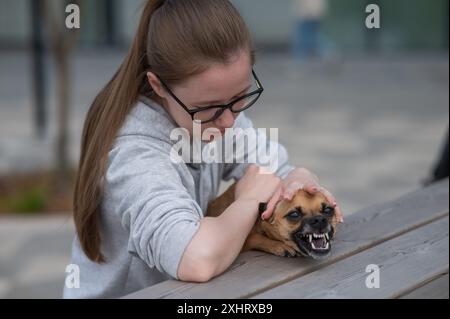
{"x": 226, "y": 119}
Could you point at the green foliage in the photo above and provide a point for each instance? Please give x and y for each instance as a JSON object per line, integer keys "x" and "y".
{"x": 29, "y": 202}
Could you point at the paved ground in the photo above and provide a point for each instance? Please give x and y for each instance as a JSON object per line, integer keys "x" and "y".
{"x": 33, "y": 256}
{"x": 370, "y": 128}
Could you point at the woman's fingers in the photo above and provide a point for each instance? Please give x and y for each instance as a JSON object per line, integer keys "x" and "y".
{"x": 312, "y": 187}
{"x": 293, "y": 187}
{"x": 272, "y": 204}
{"x": 339, "y": 215}
{"x": 331, "y": 199}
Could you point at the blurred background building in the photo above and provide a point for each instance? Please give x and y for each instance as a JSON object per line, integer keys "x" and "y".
{"x": 407, "y": 24}
{"x": 370, "y": 118}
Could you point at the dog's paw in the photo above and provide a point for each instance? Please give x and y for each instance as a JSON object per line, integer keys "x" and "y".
{"x": 288, "y": 254}
{"x": 283, "y": 250}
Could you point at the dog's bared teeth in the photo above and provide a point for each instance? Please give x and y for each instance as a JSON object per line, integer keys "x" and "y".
{"x": 310, "y": 238}
{"x": 312, "y": 245}
{"x": 327, "y": 236}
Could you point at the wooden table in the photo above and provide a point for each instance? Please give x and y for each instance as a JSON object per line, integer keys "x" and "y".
{"x": 407, "y": 239}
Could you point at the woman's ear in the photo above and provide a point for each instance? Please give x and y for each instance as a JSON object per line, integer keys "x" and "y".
{"x": 156, "y": 85}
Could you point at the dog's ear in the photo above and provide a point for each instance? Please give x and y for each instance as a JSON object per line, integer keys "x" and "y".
{"x": 262, "y": 208}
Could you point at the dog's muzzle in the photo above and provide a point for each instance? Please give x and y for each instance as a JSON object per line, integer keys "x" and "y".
{"x": 314, "y": 237}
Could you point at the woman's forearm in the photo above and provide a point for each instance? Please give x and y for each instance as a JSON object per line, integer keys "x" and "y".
{"x": 233, "y": 226}
{"x": 218, "y": 242}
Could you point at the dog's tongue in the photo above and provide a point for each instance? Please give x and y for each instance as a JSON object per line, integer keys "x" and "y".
{"x": 319, "y": 242}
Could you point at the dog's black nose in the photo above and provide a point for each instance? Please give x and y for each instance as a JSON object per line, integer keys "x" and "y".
{"x": 318, "y": 222}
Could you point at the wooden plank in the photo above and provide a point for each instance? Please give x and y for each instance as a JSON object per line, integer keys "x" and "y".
{"x": 254, "y": 272}
{"x": 405, "y": 263}
{"x": 436, "y": 289}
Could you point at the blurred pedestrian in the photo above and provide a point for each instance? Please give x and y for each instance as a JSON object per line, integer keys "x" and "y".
{"x": 440, "y": 169}
{"x": 309, "y": 15}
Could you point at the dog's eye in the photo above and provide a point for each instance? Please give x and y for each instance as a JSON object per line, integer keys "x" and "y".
{"x": 327, "y": 210}
{"x": 294, "y": 214}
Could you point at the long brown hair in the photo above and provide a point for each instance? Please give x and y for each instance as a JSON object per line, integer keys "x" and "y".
{"x": 175, "y": 39}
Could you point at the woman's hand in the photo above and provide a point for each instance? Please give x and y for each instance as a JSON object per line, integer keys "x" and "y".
{"x": 259, "y": 186}
{"x": 301, "y": 178}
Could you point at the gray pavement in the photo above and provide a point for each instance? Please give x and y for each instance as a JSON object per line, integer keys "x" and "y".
{"x": 370, "y": 128}
{"x": 33, "y": 256}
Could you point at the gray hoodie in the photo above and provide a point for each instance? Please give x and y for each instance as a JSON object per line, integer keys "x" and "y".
{"x": 151, "y": 206}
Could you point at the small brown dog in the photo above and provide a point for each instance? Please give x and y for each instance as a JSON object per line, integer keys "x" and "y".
{"x": 304, "y": 226}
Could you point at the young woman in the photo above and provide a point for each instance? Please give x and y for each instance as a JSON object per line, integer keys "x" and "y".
{"x": 139, "y": 215}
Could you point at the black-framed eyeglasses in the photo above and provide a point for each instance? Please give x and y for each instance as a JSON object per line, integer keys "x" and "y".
{"x": 211, "y": 113}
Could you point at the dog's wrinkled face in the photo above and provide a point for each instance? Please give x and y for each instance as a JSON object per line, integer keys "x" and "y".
{"x": 308, "y": 222}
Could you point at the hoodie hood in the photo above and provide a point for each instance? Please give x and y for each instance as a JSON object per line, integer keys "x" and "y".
{"x": 149, "y": 119}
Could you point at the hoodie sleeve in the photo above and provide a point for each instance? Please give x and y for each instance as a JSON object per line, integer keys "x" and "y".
{"x": 149, "y": 195}
{"x": 262, "y": 149}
